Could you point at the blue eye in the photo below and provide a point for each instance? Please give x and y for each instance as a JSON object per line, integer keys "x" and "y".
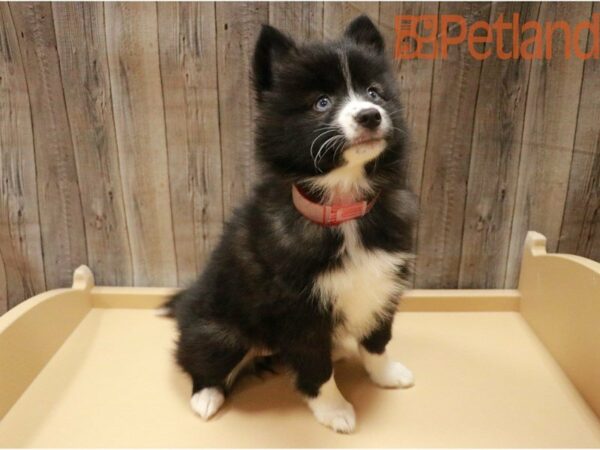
{"x": 323, "y": 103}
{"x": 372, "y": 92}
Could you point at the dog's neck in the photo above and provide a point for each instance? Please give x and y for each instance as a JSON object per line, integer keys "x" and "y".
{"x": 346, "y": 184}
{"x": 349, "y": 182}
{"x": 330, "y": 214}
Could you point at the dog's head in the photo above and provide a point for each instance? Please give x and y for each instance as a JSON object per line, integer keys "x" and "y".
{"x": 328, "y": 112}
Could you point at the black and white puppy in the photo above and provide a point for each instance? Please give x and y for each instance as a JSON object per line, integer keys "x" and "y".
{"x": 319, "y": 255}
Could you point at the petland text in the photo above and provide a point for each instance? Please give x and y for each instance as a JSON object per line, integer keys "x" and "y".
{"x": 436, "y": 34}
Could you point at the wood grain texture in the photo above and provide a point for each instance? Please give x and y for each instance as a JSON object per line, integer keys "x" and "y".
{"x": 238, "y": 25}
{"x": 22, "y": 271}
{"x": 301, "y": 20}
{"x": 495, "y": 153}
{"x": 446, "y": 167}
{"x": 337, "y": 16}
{"x": 132, "y": 45}
{"x": 3, "y": 287}
{"x": 188, "y": 61}
{"x": 60, "y": 210}
{"x": 580, "y": 232}
{"x": 548, "y": 137}
{"x": 415, "y": 79}
{"x": 84, "y": 70}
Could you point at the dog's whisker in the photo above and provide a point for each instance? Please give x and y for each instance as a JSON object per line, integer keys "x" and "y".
{"x": 339, "y": 146}
{"x": 399, "y": 111}
{"x": 326, "y": 151}
{"x": 313, "y": 144}
{"x": 400, "y": 130}
{"x": 325, "y": 145}
{"x": 329, "y": 127}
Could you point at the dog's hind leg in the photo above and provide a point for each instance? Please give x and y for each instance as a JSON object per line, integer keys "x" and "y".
{"x": 210, "y": 361}
{"x": 207, "y": 401}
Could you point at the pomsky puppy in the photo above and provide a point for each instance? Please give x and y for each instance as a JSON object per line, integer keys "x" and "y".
{"x": 320, "y": 253}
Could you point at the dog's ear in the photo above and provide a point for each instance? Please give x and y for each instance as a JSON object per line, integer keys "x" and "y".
{"x": 364, "y": 32}
{"x": 271, "y": 46}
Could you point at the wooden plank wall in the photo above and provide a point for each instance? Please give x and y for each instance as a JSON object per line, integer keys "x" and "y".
{"x": 126, "y": 136}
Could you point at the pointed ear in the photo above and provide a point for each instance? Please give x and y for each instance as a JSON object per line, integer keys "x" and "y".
{"x": 364, "y": 32}
{"x": 272, "y": 45}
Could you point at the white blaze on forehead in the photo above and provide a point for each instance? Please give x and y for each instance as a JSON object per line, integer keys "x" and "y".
{"x": 353, "y": 104}
{"x": 346, "y": 72}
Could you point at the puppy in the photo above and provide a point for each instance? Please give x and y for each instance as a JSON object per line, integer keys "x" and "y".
{"x": 321, "y": 252}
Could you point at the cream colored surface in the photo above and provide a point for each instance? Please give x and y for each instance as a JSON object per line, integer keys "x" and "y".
{"x": 561, "y": 302}
{"x": 455, "y": 300}
{"x": 483, "y": 378}
{"x": 127, "y": 297}
{"x": 33, "y": 331}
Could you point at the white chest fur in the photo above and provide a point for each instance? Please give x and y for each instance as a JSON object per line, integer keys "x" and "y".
{"x": 361, "y": 288}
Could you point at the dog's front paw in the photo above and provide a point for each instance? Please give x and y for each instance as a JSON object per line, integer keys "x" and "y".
{"x": 392, "y": 375}
{"x": 339, "y": 415}
{"x": 207, "y": 402}
{"x": 386, "y": 373}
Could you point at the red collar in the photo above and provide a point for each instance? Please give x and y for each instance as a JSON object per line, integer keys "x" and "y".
{"x": 329, "y": 215}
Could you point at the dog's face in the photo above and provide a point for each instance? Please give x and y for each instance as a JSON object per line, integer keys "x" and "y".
{"x": 325, "y": 106}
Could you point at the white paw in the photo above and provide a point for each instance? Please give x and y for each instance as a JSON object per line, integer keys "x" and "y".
{"x": 207, "y": 402}
{"x": 392, "y": 375}
{"x": 339, "y": 415}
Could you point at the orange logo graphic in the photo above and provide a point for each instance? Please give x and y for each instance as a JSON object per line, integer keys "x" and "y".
{"x": 431, "y": 36}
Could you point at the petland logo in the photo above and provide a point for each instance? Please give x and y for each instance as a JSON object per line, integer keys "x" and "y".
{"x": 437, "y": 34}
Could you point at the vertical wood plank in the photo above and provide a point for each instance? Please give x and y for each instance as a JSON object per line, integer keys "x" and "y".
{"x": 548, "y": 138}
{"x": 132, "y": 45}
{"x": 338, "y": 15}
{"x": 415, "y": 81}
{"x": 62, "y": 229}
{"x": 21, "y": 259}
{"x": 3, "y": 288}
{"x": 302, "y": 20}
{"x": 188, "y": 61}
{"x": 84, "y": 68}
{"x": 415, "y": 78}
{"x": 495, "y": 153}
{"x": 238, "y": 25}
{"x": 446, "y": 167}
{"x": 580, "y": 232}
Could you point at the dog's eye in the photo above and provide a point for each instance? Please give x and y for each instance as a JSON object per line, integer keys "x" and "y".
{"x": 323, "y": 103}
{"x": 372, "y": 92}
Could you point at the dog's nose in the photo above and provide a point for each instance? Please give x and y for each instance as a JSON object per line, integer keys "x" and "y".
{"x": 369, "y": 118}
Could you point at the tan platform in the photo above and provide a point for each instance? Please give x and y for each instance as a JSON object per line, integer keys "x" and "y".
{"x": 92, "y": 367}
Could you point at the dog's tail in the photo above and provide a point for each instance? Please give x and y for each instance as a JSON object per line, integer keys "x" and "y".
{"x": 253, "y": 365}
{"x": 168, "y": 308}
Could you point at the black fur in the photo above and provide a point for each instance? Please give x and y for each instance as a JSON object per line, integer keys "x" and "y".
{"x": 256, "y": 291}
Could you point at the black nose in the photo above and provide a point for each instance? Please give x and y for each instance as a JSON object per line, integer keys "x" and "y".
{"x": 369, "y": 118}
